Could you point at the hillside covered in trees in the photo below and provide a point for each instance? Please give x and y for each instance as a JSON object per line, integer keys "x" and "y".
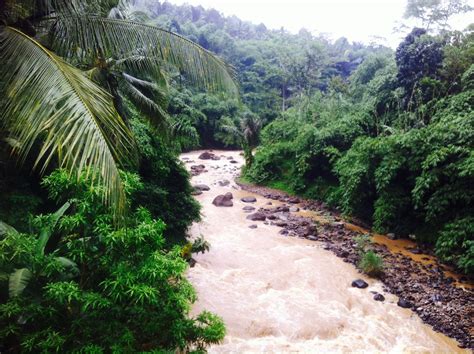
{"x": 384, "y": 136}
{"x": 98, "y": 99}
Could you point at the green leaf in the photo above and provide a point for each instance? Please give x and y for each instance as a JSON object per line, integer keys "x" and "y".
{"x": 76, "y": 119}
{"x": 70, "y": 265}
{"x": 18, "y": 281}
{"x": 47, "y": 230}
{"x": 113, "y": 38}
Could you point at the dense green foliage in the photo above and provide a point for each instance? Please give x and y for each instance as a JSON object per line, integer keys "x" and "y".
{"x": 97, "y": 287}
{"x": 274, "y": 68}
{"x": 387, "y": 138}
{"x": 395, "y": 149}
{"x": 166, "y": 191}
{"x": 95, "y": 276}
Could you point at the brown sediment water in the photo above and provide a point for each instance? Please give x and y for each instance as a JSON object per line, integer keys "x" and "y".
{"x": 285, "y": 294}
{"x": 397, "y": 246}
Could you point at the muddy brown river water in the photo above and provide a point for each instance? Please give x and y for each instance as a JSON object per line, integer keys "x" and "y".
{"x": 282, "y": 294}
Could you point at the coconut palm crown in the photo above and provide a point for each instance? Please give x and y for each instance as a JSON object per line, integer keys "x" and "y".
{"x": 64, "y": 64}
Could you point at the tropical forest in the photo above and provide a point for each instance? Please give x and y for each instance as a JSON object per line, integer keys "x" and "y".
{"x": 183, "y": 178}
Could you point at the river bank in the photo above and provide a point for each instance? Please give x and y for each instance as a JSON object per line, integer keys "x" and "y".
{"x": 282, "y": 293}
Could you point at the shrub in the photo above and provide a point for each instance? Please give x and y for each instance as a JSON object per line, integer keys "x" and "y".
{"x": 128, "y": 292}
{"x": 371, "y": 264}
{"x": 456, "y": 244}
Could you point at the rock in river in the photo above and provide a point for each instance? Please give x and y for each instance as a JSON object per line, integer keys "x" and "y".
{"x": 257, "y": 216}
{"x": 201, "y": 187}
{"x": 248, "y": 208}
{"x": 249, "y": 199}
{"x": 359, "y": 283}
{"x": 379, "y": 297}
{"x": 223, "y": 200}
{"x": 404, "y": 303}
{"x": 206, "y": 155}
{"x": 224, "y": 182}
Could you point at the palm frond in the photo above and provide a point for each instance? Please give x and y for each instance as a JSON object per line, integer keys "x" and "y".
{"x": 76, "y": 119}
{"x": 147, "y": 97}
{"x": 114, "y": 38}
{"x": 138, "y": 64}
{"x": 183, "y": 128}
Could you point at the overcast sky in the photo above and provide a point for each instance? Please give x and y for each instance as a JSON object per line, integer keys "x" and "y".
{"x": 357, "y": 20}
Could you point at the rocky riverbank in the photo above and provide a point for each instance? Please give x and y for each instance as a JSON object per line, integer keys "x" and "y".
{"x": 425, "y": 289}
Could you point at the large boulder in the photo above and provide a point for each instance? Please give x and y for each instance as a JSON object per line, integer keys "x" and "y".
{"x": 207, "y": 155}
{"x": 223, "y": 200}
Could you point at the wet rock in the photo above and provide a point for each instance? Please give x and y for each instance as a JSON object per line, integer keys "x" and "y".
{"x": 404, "y": 303}
{"x": 258, "y": 216}
{"x": 233, "y": 161}
{"x": 206, "y": 155}
{"x": 192, "y": 262}
{"x": 359, "y": 283}
{"x": 283, "y": 232}
{"x": 201, "y": 187}
{"x": 253, "y": 226}
{"x": 230, "y": 158}
{"x": 248, "y": 208}
{"x": 196, "y": 192}
{"x": 197, "y": 169}
{"x": 379, "y": 297}
{"x": 293, "y": 200}
{"x": 224, "y": 183}
{"x": 306, "y": 231}
{"x": 269, "y": 203}
{"x": 249, "y": 199}
{"x": 281, "y": 223}
{"x": 229, "y": 195}
{"x": 342, "y": 254}
{"x": 294, "y": 209}
{"x": 223, "y": 200}
{"x": 436, "y": 298}
{"x": 415, "y": 251}
{"x": 271, "y": 217}
{"x": 312, "y": 238}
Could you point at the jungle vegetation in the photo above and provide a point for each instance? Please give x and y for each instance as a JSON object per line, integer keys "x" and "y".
{"x": 98, "y": 98}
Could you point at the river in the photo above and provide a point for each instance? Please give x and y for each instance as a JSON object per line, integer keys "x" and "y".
{"x": 281, "y": 294}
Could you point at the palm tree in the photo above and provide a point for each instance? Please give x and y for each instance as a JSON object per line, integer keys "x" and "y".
{"x": 247, "y": 133}
{"x": 74, "y": 113}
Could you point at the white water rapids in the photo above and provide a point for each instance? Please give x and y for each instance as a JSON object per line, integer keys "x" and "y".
{"x": 282, "y": 294}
